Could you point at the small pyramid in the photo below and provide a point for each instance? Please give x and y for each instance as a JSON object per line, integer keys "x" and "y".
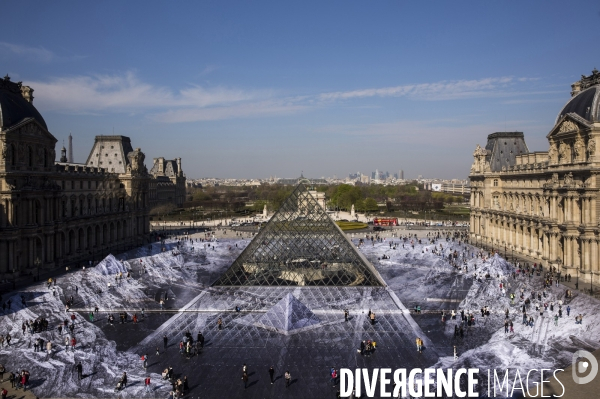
{"x": 301, "y": 246}
{"x": 110, "y": 266}
{"x": 288, "y": 315}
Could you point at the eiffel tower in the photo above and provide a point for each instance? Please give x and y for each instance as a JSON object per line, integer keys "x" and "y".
{"x": 300, "y": 246}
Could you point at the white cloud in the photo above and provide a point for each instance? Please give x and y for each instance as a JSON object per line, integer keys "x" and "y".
{"x": 127, "y": 93}
{"x": 262, "y": 108}
{"x": 36, "y": 53}
{"x": 444, "y": 90}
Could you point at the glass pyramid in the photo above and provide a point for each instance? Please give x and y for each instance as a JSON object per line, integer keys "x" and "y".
{"x": 288, "y": 315}
{"x": 300, "y": 246}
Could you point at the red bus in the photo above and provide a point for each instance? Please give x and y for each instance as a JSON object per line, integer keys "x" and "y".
{"x": 385, "y": 222}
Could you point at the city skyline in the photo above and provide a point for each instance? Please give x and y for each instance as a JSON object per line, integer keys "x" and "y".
{"x": 271, "y": 89}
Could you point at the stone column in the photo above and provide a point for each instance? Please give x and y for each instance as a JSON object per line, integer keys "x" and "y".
{"x": 594, "y": 257}
{"x": 554, "y": 247}
{"x": 11, "y": 255}
{"x": 577, "y": 252}
{"x": 587, "y": 263}
{"x": 566, "y": 251}
{"x": 588, "y": 211}
{"x": 3, "y": 256}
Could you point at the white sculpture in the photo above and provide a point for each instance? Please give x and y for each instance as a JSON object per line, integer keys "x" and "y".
{"x": 352, "y": 213}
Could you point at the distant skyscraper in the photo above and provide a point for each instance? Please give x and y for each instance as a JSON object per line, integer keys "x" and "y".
{"x": 401, "y": 175}
{"x": 70, "y": 155}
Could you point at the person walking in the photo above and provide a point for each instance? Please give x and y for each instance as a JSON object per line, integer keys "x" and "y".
{"x": 147, "y": 384}
{"x": 49, "y": 348}
{"x": 288, "y": 379}
{"x": 333, "y": 375}
{"x": 272, "y": 374}
{"x": 245, "y": 379}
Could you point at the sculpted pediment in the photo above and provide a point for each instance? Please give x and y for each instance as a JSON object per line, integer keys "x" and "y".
{"x": 32, "y": 128}
{"x": 569, "y": 125}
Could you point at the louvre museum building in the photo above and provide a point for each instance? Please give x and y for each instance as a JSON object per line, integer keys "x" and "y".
{"x": 543, "y": 206}
{"x": 62, "y": 213}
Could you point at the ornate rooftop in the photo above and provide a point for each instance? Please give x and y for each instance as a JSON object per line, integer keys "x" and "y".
{"x": 16, "y": 104}
{"x": 584, "y": 101}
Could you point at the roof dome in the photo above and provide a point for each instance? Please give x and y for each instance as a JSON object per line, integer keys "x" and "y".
{"x": 584, "y": 104}
{"x": 16, "y": 104}
{"x": 584, "y": 100}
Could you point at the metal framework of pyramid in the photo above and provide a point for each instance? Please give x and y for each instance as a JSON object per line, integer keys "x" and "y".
{"x": 287, "y": 316}
{"x": 300, "y": 246}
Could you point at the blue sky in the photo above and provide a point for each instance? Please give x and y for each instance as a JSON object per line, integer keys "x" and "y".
{"x": 255, "y": 89}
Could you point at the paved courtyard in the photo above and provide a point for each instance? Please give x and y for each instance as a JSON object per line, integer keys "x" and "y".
{"x": 414, "y": 275}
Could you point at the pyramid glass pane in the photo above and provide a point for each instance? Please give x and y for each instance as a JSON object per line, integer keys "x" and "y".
{"x": 300, "y": 246}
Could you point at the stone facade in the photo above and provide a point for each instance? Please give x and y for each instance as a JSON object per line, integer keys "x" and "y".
{"x": 544, "y": 205}
{"x": 168, "y": 183}
{"x": 55, "y": 214}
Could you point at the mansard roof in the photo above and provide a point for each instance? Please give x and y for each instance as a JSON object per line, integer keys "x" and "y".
{"x": 503, "y": 147}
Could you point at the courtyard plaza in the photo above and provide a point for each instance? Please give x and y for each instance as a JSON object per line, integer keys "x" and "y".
{"x": 186, "y": 272}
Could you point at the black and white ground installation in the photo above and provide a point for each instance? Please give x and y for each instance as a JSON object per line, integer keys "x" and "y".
{"x": 298, "y": 328}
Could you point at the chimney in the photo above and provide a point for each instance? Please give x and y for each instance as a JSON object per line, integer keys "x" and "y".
{"x": 27, "y": 93}
{"x": 70, "y": 154}
{"x": 179, "y": 171}
{"x": 161, "y": 165}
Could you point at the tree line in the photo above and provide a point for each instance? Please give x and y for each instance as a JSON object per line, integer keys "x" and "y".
{"x": 365, "y": 198}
